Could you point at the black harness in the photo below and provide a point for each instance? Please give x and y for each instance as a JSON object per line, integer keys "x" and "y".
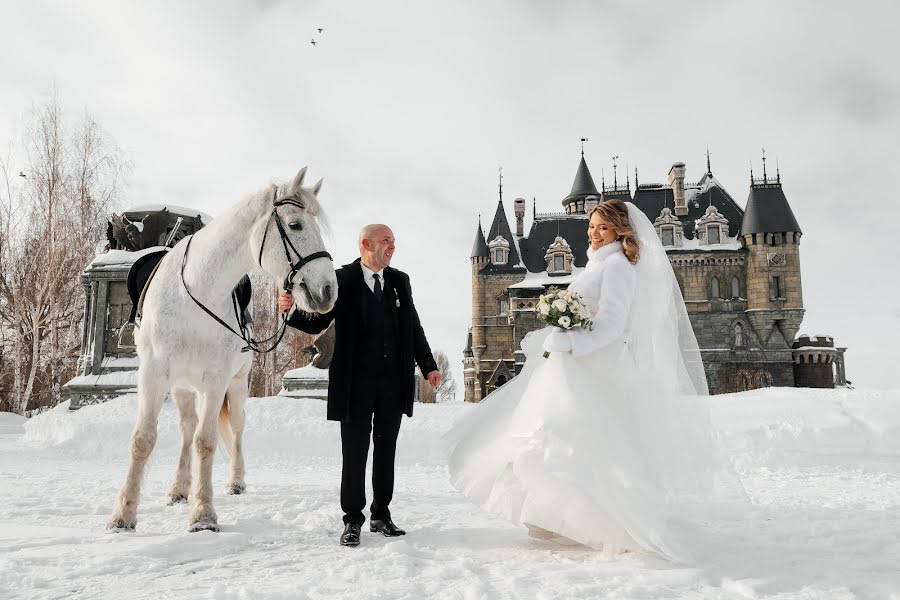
{"x": 243, "y": 323}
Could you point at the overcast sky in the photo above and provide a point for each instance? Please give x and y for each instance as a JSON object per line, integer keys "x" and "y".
{"x": 408, "y": 108}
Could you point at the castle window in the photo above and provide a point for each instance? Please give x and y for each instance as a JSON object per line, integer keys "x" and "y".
{"x": 776, "y": 287}
{"x": 714, "y": 289}
{"x": 504, "y": 306}
{"x": 499, "y": 250}
{"x": 738, "y": 335}
{"x": 712, "y": 234}
{"x": 668, "y": 236}
{"x": 559, "y": 257}
{"x": 735, "y": 288}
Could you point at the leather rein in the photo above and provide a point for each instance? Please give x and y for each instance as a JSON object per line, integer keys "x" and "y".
{"x": 243, "y": 325}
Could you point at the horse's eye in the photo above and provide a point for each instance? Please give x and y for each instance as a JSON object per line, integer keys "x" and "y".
{"x": 296, "y": 226}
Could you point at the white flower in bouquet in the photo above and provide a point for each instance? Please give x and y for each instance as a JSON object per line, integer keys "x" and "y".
{"x": 565, "y": 322}
{"x": 560, "y": 304}
{"x": 544, "y": 308}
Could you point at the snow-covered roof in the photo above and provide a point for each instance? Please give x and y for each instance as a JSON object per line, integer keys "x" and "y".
{"x": 307, "y": 372}
{"x": 536, "y": 281}
{"x": 728, "y": 243}
{"x": 116, "y": 258}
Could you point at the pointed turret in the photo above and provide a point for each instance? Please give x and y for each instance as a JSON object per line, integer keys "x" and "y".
{"x": 768, "y": 210}
{"x": 500, "y": 229}
{"x": 480, "y": 248}
{"x": 582, "y": 187}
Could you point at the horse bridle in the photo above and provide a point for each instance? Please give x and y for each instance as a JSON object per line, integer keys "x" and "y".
{"x": 286, "y": 242}
{"x": 244, "y": 334}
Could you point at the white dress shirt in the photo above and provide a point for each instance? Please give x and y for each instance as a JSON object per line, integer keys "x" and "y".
{"x": 369, "y": 277}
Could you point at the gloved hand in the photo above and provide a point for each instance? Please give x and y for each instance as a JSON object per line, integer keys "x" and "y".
{"x": 558, "y": 341}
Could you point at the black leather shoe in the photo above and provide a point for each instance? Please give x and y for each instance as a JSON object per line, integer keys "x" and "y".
{"x": 385, "y": 527}
{"x": 350, "y": 537}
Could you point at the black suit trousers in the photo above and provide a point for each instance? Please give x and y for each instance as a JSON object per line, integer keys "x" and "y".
{"x": 378, "y": 418}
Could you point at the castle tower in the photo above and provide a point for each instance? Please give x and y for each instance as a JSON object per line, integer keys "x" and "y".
{"x": 476, "y": 341}
{"x": 771, "y": 233}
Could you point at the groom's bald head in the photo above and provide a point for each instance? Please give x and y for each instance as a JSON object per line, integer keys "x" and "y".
{"x": 376, "y": 246}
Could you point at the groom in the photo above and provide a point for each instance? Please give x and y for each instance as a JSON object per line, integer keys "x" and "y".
{"x": 371, "y": 378}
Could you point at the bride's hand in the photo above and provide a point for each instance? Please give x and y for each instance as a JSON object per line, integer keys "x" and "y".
{"x": 558, "y": 341}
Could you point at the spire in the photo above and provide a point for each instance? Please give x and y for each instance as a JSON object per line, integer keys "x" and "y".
{"x": 479, "y": 248}
{"x": 708, "y": 167}
{"x": 764, "y": 164}
{"x": 500, "y": 226}
{"x": 751, "y": 171}
{"x": 777, "y": 172}
{"x": 500, "y": 184}
{"x": 615, "y": 172}
{"x": 534, "y": 207}
{"x": 583, "y": 140}
{"x": 635, "y": 178}
{"x": 583, "y": 186}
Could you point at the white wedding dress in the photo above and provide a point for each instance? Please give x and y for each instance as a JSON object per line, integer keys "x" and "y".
{"x": 607, "y": 442}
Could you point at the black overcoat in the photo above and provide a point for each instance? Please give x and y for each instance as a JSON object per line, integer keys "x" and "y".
{"x": 348, "y": 315}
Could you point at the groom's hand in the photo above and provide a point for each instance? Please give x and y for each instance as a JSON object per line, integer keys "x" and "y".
{"x": 285, "y": 302}
{"x": 434, "y": 378}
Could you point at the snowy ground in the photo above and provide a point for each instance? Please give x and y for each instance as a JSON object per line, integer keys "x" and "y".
{"x": 824, "y": 467}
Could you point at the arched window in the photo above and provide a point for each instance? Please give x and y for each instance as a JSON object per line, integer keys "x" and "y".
{"x": 504, "y": 306}
{"x": 738, "y": 335}
{"x": 735, "y": 288}
{"x": 501, "y": 380}
{"x": 714, "y": 288}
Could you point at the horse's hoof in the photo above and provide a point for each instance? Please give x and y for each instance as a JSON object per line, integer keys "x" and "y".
{"x": 176, "y": 499}
{"x": 236, "y": 489}
{"x": 204, "y": 525}
{"x": 119, "y": 526}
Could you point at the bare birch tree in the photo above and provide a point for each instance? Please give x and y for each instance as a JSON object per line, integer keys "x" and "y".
{"x": 53, "y": 218}
{"x": 446, "y": 391}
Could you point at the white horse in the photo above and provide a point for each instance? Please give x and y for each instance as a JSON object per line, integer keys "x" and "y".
{"x": 185, "y": 351}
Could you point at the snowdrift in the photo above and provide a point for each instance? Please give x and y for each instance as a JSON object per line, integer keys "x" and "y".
{"x": 763, "y": 427}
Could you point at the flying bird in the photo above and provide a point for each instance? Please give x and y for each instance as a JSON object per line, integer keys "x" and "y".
{"x": 21, "y": 174}
{"x": 320, "y": 30}
{"x": 313, "y": 42}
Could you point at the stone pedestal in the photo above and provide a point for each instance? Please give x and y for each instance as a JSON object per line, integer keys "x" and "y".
{"x": 305, "y": 382}
{"x": 106, "y": 369}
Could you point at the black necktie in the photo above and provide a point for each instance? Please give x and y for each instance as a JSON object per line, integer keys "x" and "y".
{"x": 377, "y": 287}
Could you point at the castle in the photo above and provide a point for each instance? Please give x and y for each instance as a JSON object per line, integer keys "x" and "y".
{"x": 738, "y": 269}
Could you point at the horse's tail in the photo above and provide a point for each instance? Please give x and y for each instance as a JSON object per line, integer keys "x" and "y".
{"x": 226, "y": 435}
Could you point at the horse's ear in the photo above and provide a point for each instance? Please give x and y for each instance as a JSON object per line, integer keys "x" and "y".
{"x": 318, "y": 186}
{"x": 298, "y": 181}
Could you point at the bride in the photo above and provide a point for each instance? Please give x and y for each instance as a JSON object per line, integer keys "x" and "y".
{"x": 607, "y": 442}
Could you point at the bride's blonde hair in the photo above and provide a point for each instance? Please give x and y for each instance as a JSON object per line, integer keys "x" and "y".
{"x": 615, "y": 214}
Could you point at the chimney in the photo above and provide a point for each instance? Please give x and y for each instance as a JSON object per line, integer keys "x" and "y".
{"x": 519, "y": 210}
{"x": 676, "y": 181}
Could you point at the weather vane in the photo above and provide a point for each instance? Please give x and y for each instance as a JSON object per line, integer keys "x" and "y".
{"x": 583, "y": 140}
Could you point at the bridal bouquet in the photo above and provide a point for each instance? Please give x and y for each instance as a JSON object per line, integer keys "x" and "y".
{"x": 563, "y": 309}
